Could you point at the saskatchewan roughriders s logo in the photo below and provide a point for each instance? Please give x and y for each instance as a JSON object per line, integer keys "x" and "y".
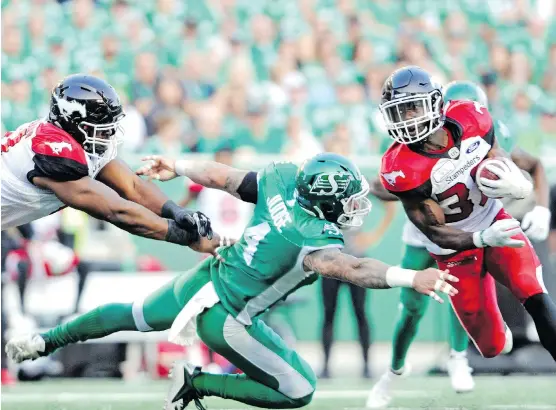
{"x": 331, "y": 184}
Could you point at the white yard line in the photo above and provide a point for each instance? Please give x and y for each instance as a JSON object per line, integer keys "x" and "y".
{"x": 522, "y": 406}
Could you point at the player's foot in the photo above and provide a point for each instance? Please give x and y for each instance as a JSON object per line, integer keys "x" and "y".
{"x": 460, "y": 373}
{"x": 27, "y": 347}
{"x": 7, "y": 378}
{"x": 381, "y": 393}
{"x": 182, "y": 392}
{"x": 325, "y": 374}
{"x": 509, "y": 345}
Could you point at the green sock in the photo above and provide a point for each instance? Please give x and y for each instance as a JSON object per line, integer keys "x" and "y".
{"x": 404, "y": 333}
{"x": 97, "y": 323}
{"x": 241, "y": 388}
{"x": 459, "y": 341}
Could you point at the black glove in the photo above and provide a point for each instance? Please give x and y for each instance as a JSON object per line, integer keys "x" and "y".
{"x": 203, "y": 225}
{"x": 188, "y": 220}
{"x": 178, "y": 235}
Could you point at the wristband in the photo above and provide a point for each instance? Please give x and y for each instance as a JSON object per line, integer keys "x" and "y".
{"x": 478, "y": 240}
{"x": 169, "y": 210}
{"x": 180, "y": 236}
{"x": 399, "y": 277}
{"x": 182, "y": 165}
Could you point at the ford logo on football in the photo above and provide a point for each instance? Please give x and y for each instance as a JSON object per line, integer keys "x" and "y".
{"x": 473, "y": 147}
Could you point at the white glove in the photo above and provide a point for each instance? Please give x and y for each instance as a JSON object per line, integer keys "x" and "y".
{"x": 536, "y": 223}
{"x": 512, "y": 182}
{"x": 499, "y": 234}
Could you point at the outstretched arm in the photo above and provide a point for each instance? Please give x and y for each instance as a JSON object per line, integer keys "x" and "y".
{"x": 374, "y": 274}
{"x": 102, "y": 202}
{"x": 118, "y": 176}
{"x": 239, "y": 183}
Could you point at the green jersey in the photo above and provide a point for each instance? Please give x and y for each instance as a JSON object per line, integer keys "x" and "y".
{"x": 266, "y": 265}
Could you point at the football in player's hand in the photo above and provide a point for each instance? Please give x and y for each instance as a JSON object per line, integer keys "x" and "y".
{"x": 484, "y": 172}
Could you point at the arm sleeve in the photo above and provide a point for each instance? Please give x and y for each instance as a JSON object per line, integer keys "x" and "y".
{"x": 248, "y": 188}
{"x": 57, "y": 168}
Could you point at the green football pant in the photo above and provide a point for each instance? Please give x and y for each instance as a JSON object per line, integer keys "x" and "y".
{"x": 274, "y": 376}
{"x": 413, "y": 308}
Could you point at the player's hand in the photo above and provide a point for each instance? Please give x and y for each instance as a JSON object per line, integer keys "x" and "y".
{"x": 212, "y": 246}
{"x": 536, "y": 223}
{"x": 158, "y": 167}
{"x": 194, "y": 220}
{"x": 430, "y": 281}
{"x": 512, "y": 182}
{"x": 499, "y": 234}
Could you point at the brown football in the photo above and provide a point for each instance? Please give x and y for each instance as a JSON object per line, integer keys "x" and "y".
{"x": 483, "y": 172}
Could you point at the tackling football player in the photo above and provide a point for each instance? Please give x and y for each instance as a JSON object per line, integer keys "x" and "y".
{"x": 69, "y": 159}
{"x": 535, "y": 225}
{"x": 294, "y": 235}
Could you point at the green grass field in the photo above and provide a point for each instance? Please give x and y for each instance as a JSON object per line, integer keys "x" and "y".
{"x": 501, "y": 393}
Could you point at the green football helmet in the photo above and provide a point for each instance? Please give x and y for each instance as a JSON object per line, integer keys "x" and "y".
{"x": 464, "y": 90}
{"x": 331, "y": 187}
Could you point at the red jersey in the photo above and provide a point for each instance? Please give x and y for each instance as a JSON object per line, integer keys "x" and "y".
{"x": 40, "y": 149}
{"x": 448, "y": 176}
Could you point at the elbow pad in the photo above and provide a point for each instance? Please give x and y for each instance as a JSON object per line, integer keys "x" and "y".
{"x": 248, "y": 188}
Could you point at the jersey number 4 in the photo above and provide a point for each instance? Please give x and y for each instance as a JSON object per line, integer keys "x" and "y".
{"x": 456, "y": 203}
{"x": 253, "y": 235}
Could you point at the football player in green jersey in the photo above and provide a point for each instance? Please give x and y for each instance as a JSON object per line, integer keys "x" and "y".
{"x": 535, "y": 224}
{"x": 295, "y": 233}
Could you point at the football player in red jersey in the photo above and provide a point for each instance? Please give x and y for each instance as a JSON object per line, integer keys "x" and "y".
{"x": 431, "y": 168}
{"x": 69, "y": 159}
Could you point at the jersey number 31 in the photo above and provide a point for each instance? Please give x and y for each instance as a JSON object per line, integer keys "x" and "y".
{"x": 456, "y": 203}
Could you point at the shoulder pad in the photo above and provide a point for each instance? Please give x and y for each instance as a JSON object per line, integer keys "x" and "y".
{"x": 54, "y": 142}
{"x": 404, "y": 170}
{"x": 473, "y": 118}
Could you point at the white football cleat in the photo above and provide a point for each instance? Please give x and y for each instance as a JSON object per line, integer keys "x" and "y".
{"x": 28, "y": 347}
{"x": 509, "y": 345}
{"x": 380, "y": 395}
{"x": 460, "y": 373}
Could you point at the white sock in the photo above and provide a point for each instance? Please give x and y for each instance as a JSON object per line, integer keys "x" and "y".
{"x": 458, "y": 355}
{"x": 398, "y": 372}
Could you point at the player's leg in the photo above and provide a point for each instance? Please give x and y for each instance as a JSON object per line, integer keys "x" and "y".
{"x": 413, "y": 306}
{"x": 458, "y": 363}
{"x": 154, "y": 313}
{"x": 519, "y": 269}
{"x": 459, "y": 340}
{"x": 475, "y": 305}
{"x": 274, "y": 375}
{"x": 358, "y": 298}
{"x": 330, "y": 289}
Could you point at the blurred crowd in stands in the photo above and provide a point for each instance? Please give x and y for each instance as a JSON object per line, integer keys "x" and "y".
{"x": 275, "y": 76}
